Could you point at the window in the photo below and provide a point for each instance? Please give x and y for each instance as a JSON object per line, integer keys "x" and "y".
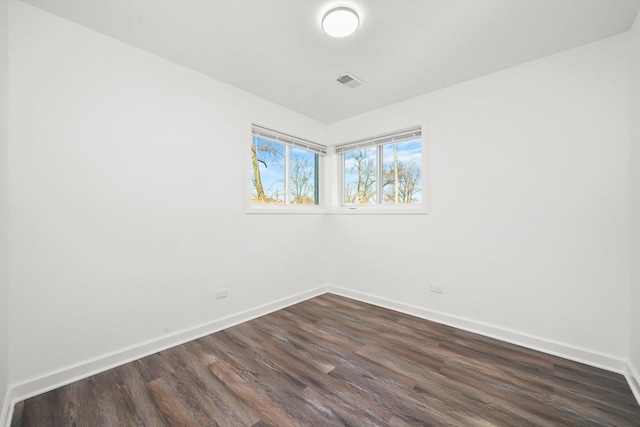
{"x": 385, "y": 170}
{"x": 285, "y": 169}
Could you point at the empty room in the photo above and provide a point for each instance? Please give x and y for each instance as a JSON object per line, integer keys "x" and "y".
{"x": 319, "y": 213}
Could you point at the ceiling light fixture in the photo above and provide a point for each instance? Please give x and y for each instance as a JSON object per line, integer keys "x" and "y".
{"x": 340, "y": 22}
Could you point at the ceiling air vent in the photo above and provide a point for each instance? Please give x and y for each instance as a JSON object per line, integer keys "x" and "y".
{"x": 349, "y": 80}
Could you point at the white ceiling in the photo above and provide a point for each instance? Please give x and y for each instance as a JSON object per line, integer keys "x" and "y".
{"x": 275, "y": 48}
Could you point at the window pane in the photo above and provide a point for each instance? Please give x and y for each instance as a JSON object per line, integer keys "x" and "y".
{"x": 267, "y": 180}
{"x": 402, "y": 164}
{"x": 302, "y": 177}
{"x": 360, "y": 177}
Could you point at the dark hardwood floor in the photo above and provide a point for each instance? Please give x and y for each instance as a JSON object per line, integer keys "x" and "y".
{"x": 332, "y": 361}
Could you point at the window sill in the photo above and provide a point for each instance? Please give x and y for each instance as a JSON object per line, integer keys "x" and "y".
{"x": 319, "y": 210}
{"x": 286, "y": 210}
{"x": 362, "y": 210}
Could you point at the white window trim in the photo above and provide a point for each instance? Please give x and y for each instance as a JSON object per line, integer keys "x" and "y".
{"x": 331, "y": 185}
{"x": 288, "y": 141}
{"x": 384, "y": 139}
{"x": 287, "y": 210}
{"x": 380, "y": 208}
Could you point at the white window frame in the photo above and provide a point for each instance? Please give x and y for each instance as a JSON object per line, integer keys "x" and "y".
{"x": 288, "y": 141}
{"x": 378, "y": 142}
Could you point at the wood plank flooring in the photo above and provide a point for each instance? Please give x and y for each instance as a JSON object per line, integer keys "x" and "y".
{"x": 332, "y": 361}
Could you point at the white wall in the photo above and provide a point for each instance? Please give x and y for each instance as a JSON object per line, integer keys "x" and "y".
{"x": 4, "y": 285}
{"x": 127, "y": 194}
{"x": 128, "y": 181}
{"x": 634, "y": 121}
{"x": 528, "y": 190}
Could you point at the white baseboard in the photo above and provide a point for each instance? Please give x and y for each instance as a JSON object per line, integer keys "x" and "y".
{"x": 6, "y": 412}
{"x": 86, "y": 368}
{"x": 69, "y": 374}
{"x": 577, "y": 354}
{"x": 633, "y": 378}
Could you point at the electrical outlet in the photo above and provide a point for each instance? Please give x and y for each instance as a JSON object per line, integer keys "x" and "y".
{"x": 438, "y": 289}
{"x": 222, "y": 293}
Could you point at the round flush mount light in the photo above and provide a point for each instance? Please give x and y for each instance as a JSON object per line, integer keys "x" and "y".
{"x": 340, "y": 22}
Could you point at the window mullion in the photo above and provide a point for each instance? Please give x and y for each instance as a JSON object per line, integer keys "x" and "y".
{"x": 379, "y": 174}
{"x": 343, "y": 181}
{"x": 287, "y": 174}
{"x": 316, "y": 179}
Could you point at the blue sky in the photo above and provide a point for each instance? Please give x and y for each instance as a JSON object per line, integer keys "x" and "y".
{"x": 272, "y": 174}
{"x": 408, "y": 151}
